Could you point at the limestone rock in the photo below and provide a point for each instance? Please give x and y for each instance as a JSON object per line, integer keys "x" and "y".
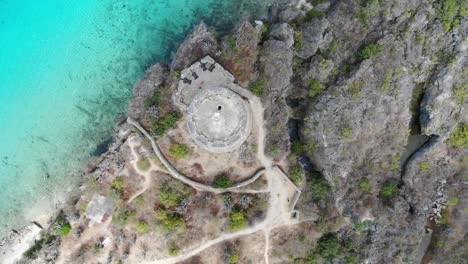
{"x": 197, "y": 45}
{"x": 276, "y": 67}
{"x": 154, "y": 78}
{"x": 314, "y": 36}
{"x": 283, "y": 32}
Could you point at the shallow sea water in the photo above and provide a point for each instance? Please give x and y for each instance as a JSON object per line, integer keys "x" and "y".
{"x": 66, "y": 73}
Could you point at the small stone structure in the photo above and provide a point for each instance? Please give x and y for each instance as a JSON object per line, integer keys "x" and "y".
{"x": 218, "y": 118}
{"x": 99, "y": 208}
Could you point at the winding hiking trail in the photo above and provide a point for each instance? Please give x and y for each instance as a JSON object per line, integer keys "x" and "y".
{"x": 281, "y": 202}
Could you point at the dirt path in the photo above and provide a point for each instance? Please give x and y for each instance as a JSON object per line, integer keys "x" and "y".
{"x": 146, "y": 174}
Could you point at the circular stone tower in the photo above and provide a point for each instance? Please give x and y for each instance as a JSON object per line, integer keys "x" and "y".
{"x": 219, "y": 120}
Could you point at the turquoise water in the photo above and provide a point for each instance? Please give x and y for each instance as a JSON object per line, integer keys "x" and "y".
{"x": 66, "y": 72}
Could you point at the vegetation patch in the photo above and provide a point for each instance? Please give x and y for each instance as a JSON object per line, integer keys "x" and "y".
{"x": 389, "y": 189}
{"x": 329, "y": 246}
{"x": 142, "y": 227}
{"x": 170, "y": 222}
{"x": 165, "y": 123}
{"x": 118, "y": 183}
{"x": 461, "y": 92}
{"x": 169, "y": 196}
{"x": 365, "y": 185}
{"x": 257, "y": 87}
{"x": 123, "y": 217}
{"x": 370, "y": 51}
{"x": 355, "y": 89}
{"x": 298, "y": 40}
{"x": 179, "y": 151}
{"x": 319, "y": 187}
{"x": 315, "y": 88}
{"x": 368, "y": 9}
{"x": 297, "y": 148}
{"x": 346, "y": 132}
{"x": 459, "y": 137}
{"x": 155, "y": 99}
{"x": 174, "y": 250}
{"x": 424, "y": 166}
{"x": 448, "y": 12}
{"x": 65, "y": 229}
{"x": 32, "y": 252}
{"x": 222, "y": 182}
{"x": 238, "y": 220}
{"x": 232, "y": 42}
{"x": 313, "y": 14}
{"x": 143, "y": 164}
{"x": 387, "y": 81}
{"x": 296, "y": 174}
{"x": 452, "y": 201}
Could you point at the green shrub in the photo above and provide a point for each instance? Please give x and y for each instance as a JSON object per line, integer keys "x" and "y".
{"x": 364, "y": 185}
{"x": 170, "y": 222}
{"x": 424, "y": 166}
{"x": 369, "y": 9}
{"x": 315, "y": 88}
{"x": 387, "y": 81}
{"x": 65, "y": 229}
{"x": 233, "y": 258}
{"x": 312, "y": 14}
{"x": 296, "y": 174}
{"x": 389, "y": 189}
{"x": 143, "y": 164}
{"x": 142, "y": 227}
{"x": 274, "y": 149}
{"x": 155, "y": 99}
{"x": 461, "y": 92}
{"x": 328, "y": 246}
{"x": 459, "y": 137}
{"x": 232, "y": 42}
{"x": 169, "y": 196}
{"x": 452, "y": 201}
{"x": 238, "y": 220}
{"x": 165, "y": 123}
{"x": 179, "y": 151}
{"x": 118, "y": 183}
{"x": 298, "y": 40}
{"x": 222, "y": 182}
{"x": 257, "y": 87}
{"x": 396, "y": 162}
{"x": 447, "y": 12}
{"x": 124, "y": 216}
{"x": 319, "y": 187}
{"x": 370, "y": 51}
{"x": 355, "y": 89}
{"x": 346, "y": 132}
{"x": 140, "y": 200}
{"x": 297, "y": 148}
{"x": 174, "y": 251}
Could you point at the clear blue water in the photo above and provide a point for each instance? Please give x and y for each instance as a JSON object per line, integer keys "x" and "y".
{"x": 66, "y": 72}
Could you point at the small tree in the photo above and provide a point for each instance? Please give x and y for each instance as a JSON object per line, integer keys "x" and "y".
{"x": 222, "y": 182}
{"x": 179, "y": 151}
{"x": 389, "y": 189}
{"x": 118, "y": 183}
{"x": 370, "y": 51}
{"x": 365, "y": 186}
{"x": 238, "y": 220}
{"x": 315, "y": 88}
{"x": 257, "y": 87}
{"x": 328, "y": 246}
